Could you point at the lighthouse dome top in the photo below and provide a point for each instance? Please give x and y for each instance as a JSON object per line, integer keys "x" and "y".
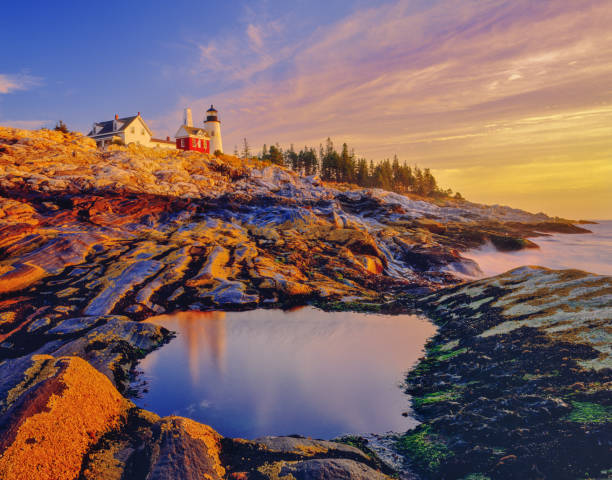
{"x": 211, "y": 115}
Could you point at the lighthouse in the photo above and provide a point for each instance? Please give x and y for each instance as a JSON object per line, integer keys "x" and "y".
{"x": 213, "y": 127}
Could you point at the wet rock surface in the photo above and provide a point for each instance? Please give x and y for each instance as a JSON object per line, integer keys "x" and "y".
{"x": 138, "y": 232}
{"x": 516, "y": 384}
{"x": 93, "y": 242}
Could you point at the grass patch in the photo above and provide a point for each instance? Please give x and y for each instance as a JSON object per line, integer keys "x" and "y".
{"x": 587, "y": 412}
{"x": 435, "y": 397}
{"x": 424, "y": 448}
{"x": 452, "y": 354}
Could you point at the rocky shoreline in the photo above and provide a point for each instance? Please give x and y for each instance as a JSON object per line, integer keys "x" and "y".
{"x": 516, "y": 384}
{"x": 92, "y": 243}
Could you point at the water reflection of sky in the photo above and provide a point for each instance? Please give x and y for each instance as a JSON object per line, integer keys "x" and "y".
{"x": 271, "y": 372}
{"x": 591, "y": 252}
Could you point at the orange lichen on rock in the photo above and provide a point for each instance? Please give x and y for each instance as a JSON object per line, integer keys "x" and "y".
{"x": 210, "y": 437}
{"x": 51, "y": 428}
{"x": 16, "y": 278}
{"x": 371, "y": 264}
{"x": 215, "y": 268}
{"x": 188, "y": 450}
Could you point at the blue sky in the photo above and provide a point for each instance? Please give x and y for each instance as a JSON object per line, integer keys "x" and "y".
{"x": 83, "y": 63}
{"x": 508, "y": 101}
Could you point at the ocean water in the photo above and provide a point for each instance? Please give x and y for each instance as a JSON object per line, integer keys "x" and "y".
{"x": 273, "y": 372}
{"x": 591, "y": 252}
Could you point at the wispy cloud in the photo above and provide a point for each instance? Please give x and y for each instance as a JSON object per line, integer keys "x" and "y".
{"x": 12, "y": 82}
{"x": 237, "y": 57}
{"x": 26, "y": 124}
{"x": 475, "y": 83}
{"x": 255, "y": 34}
{"x": 451, "y": 60}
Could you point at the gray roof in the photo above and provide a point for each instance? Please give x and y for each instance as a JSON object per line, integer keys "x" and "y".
{"x": 194, "y": 130}
{"x": 107, "y": 127}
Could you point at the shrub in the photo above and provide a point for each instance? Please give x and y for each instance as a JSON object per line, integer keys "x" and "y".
{"x": 60, "y": 126}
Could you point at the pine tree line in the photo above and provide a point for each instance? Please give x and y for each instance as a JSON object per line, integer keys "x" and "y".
{"x": 345, "y": 167}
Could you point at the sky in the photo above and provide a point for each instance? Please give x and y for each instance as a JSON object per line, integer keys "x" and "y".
{"x": 508, "y": 102}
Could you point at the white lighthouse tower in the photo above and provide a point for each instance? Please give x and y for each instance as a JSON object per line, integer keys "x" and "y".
{"x": 213, "y": 127}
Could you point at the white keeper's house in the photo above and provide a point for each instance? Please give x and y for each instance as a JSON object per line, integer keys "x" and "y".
{"x": 126, "y": 131}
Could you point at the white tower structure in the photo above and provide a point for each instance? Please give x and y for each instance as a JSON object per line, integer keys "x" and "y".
{"x": 188, "y": 120}
{"x": 213, "y": 127}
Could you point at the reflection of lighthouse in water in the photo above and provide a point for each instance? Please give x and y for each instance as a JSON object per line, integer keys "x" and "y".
{"x": 203, "y": 335}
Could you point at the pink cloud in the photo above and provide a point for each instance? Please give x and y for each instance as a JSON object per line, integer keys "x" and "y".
{"x": 469, "y": 83}
{"x": 12, "y": 82}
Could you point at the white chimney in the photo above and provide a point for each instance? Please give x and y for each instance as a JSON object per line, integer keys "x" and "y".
{"x": 188, "y": 117}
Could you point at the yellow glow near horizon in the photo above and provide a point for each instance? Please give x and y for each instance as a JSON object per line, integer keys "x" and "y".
{"x": 560, "y": 164}
{"x": 506, "y": 102}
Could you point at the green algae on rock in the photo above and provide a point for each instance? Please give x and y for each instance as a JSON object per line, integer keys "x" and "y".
{"x": 516, "y": 384}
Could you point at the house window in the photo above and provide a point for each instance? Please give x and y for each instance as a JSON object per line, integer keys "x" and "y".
{"x": 142, "y": 131}
{"x": 182, "y": 142}
{"x": 132, "y": 130}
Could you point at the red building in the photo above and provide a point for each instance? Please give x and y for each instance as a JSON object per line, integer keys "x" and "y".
{"x": 189, "y": 137}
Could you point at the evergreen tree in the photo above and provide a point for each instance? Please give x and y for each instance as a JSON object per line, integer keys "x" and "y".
{"x": 383, "y": 175}
{"x": 276, "y": 155}
{"x": 264, "y": 153}
{"x": 313, "y": 162}
{"x": 363, "y": 177}
{"x": 307, "y": 158}
{"x": 246, "y": 149}
{"x": 345, "y": 167}
{"x": 293, "y": 160}
{"x": 329, "y": 162}
{"x": 395, "y": 167}
{"x": 429, "y": 183}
